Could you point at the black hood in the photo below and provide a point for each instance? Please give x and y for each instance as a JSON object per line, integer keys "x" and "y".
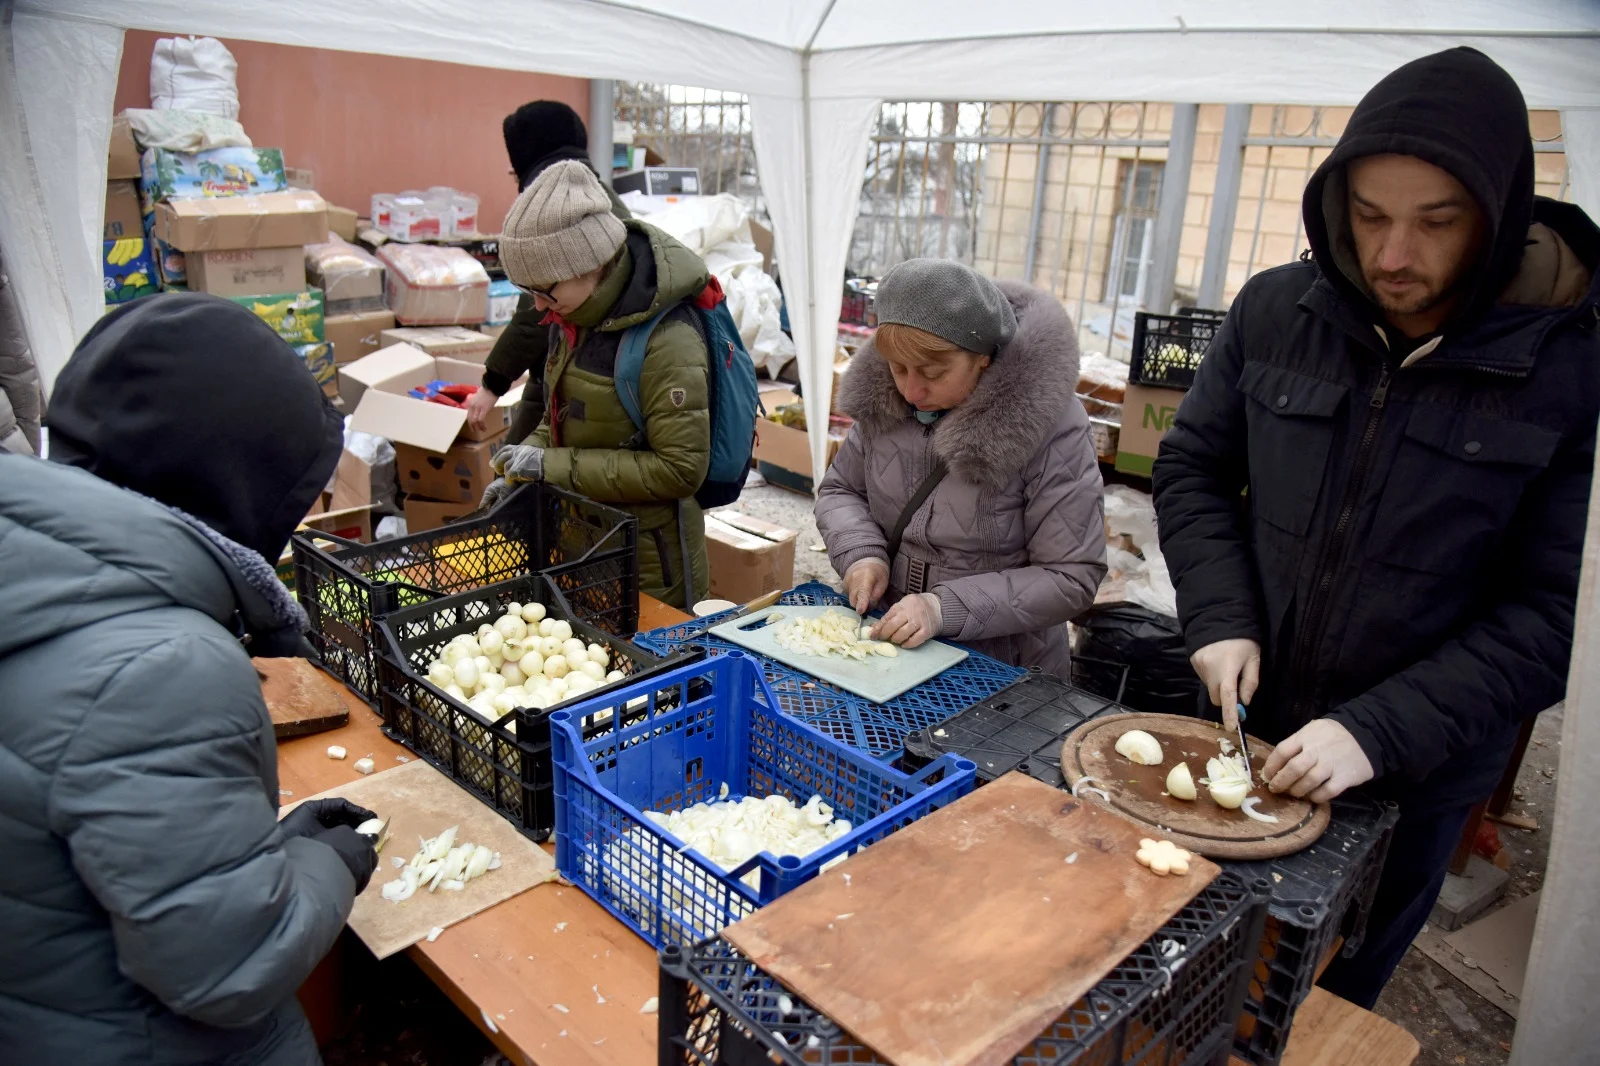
{"x": 540, "y": 133}
{"x": 194, "y": 401}
{"x": 1461, "y": 112}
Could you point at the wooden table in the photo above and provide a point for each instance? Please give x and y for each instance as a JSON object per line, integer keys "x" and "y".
{"x": 508, "y": 967}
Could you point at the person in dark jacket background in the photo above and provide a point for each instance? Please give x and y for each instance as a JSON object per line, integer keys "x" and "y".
{"x": 1413, "y": 415}
{"x": 538, "y": 135}
{"x": 152, "y": 906}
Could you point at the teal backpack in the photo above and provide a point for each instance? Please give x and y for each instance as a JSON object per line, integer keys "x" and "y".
{"x": 731, "y": 381}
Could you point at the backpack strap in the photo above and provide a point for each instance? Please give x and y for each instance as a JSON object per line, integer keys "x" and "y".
{"x": 630, "y": 366}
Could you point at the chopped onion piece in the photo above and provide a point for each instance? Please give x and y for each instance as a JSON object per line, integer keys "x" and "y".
{"x": 1249, "y": 809}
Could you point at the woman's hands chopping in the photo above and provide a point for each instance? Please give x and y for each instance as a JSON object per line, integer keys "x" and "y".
{"x": 912, "y": 622}
{"x": 865, "y": 583}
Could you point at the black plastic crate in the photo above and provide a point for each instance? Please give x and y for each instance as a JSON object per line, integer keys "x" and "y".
{"x": 504, "y": 762}
{"x": 1319, "y": 893}
{"x": 1167, "y": 349}
{"x": 346, "y": 588}
{"x": 717, "y": 1008}
{"x": 1018, "y": 728}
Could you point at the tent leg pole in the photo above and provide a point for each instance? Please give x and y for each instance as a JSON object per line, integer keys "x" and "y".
{"x": 1169, "y": 214}
{"x": 1224, "y": 205}
{"x": 602, "y": 105}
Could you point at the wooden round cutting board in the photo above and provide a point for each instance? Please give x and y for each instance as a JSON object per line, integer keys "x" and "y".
{"x": 1139, "y": 792}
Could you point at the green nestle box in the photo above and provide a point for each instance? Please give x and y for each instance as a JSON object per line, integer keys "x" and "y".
{"x": 297, "y": 316}
{"x": 1146, "y": 416}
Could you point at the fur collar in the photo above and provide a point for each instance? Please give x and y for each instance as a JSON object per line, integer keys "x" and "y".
{"x": 990, "y": 437}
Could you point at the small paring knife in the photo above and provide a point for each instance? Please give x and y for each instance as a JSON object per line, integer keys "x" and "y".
{"x": 1244, "y": 747}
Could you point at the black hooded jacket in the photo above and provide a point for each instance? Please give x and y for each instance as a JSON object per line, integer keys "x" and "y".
{"x": 194, "y": 401}
{"x": 1400, "y": 527}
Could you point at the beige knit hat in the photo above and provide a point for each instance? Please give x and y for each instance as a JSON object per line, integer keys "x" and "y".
{"x": 561, "y": 227}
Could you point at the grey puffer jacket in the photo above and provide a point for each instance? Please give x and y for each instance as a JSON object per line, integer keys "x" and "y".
{"x": 1013, "y": 539}
{"x": 150, "y": 908}
{"x": 20, "y": 401}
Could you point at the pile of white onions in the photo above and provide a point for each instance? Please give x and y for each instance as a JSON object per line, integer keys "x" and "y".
{"x": 731, "y": 832}
{"x": 831, "y": 633}
{"x": 441, "y": 863}
{"x": 524, "y": 659}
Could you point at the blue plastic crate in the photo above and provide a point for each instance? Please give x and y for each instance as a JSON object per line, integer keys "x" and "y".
{"x": 879, "y": 728}
{"x": 704, "y": 725}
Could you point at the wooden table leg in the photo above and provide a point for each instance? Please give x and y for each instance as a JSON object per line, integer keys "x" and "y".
{"x": 1463, "y": 853}
{"x": 1501, "y": 800}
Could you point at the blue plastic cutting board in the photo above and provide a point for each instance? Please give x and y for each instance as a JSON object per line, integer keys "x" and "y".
{"x": 879, "y": 678}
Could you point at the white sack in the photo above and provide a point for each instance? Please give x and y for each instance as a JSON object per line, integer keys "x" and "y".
{"x": 194, "y": 74}
{"x": 185, "y": 131}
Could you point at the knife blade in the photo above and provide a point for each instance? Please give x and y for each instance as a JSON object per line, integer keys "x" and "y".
{"x": 1244, "y": 746}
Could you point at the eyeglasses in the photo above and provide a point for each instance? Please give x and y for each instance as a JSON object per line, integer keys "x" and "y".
{"x": 548, "y": 295}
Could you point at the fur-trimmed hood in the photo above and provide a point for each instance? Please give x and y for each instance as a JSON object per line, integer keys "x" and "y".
{"x": 1019, "y": 399}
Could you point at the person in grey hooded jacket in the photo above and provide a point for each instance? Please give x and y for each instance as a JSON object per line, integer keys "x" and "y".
{"x": 152, "y": 907}
{"x": 968, "y": 385}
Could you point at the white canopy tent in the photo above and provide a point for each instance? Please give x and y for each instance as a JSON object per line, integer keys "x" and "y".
{"x": 815, "y": 71}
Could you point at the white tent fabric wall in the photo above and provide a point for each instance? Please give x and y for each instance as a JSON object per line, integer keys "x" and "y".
{"x": 53, "y": 172}
{"x": 815, "y": 70}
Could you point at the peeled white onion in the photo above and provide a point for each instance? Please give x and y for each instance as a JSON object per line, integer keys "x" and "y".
{"x": 532, "y": 663}
{"x": 599, "y": 654}
{"x": 1180, "y": 782}
{"x": 555, "y": 666}
{"x": 549, "y": 646}
{"x": 1140, "y": 747}
{"x": 561, "y": 629}
{"x": 533, "y": 613}
{"x": 545, "y": 626}
{"x": 513, "y": 674}
{"x": 592, "y": 670}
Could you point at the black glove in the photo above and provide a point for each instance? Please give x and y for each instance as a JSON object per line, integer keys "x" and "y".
{"x": 313, "y": 816}
{"x": 354, "y": 850}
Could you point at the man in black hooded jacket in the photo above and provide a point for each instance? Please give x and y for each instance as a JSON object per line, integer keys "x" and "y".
{"x": 1373, "y": 499}
{"x": 538, "y": 135}
{"x": 153, "y": 907}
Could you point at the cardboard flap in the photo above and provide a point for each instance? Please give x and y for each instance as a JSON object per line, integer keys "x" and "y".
{"x": 754, "y": 526}
{"x": 431, "y": 426}
{"x": 512, "y": 397}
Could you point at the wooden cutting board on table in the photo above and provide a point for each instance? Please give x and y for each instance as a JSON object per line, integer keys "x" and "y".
{"x": 879, "y": 678}
{"x": 298, "y": 698}
{"x": 1139, "y": 792}
{"x": 957, "y": 940}
{"x": 421, "y": 802}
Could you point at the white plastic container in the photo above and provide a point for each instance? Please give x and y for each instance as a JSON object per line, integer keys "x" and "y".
{"x": 412, "y": 219}
{"x": 466, "y": 214}
{"x": 382, "y": 210}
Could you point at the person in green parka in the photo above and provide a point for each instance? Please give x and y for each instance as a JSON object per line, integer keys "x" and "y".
{"x": 594, "y": 276}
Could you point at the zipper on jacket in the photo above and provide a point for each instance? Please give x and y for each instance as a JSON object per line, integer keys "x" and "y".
{"x": 1311, "y": 638}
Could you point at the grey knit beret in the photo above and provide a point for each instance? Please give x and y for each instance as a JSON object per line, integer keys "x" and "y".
{"x": 949, "y": 300}
{"x": 561, "y": 227}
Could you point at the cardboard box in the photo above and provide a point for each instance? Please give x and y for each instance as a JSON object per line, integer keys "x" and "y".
{"x": 423, "y": 515}
{"x": 342, "y": 221}
{"x": 787, "y": 449}
{"x": 761, "y": 236}
{"x": 214, "y": 173}
{"x": 300, "y": 177}
{"x": 122, "y": 157}
{"x": 459, "y": 474}
{"x": 503, "y": 300}
{"x": 272, "y": 220}
{"x": 171, "y": 266}
{"x": 355, "y": 336}
{"x": 319, "y": 360}
{"x": 747, "y": 556}
{"x": 123, "y": 218}
{"x": 296, "y": 316}
{"x": 436, "y": 305}
{"x": 353, "y": 523}
{"x": 491, "y": 331}
{"x": 454, "y": 342}
{"x": 375, "y": 388}
{"x": 129, "y": 269}
{"x": 1146, "y": 416}
{"x": 247, "y": 271}
{"x": 350, "y": 286}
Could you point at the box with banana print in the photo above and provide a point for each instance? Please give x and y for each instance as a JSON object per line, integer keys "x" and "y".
{"x": 129, "y": 270}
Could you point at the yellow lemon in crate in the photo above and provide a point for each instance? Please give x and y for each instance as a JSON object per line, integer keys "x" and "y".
{"x": 476, "y": 558}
